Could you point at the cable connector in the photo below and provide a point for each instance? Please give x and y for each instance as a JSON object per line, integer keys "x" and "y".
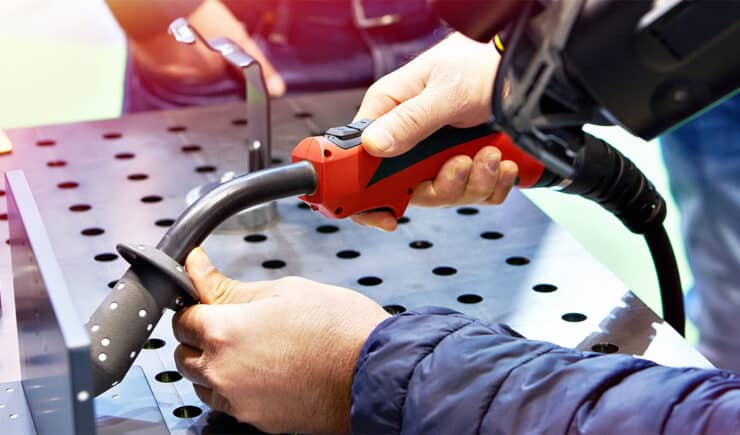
{"x": 607, "y": 177}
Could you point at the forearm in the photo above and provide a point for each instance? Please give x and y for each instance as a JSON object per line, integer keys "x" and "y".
{"x": 448, "y": 373}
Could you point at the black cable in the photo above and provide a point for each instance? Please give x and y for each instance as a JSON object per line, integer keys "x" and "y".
{"x": 227, "y": 199}
{"x": 671, "y": 293}
{"x": 611, "y": 180}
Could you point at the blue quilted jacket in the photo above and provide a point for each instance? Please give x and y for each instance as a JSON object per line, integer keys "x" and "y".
{"x": 436, "y": 371}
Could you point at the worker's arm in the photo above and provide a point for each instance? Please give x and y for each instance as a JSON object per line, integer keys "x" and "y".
{"x": 449, "y": 84}
{"x": 145, "y": 24}
{"x": 284, "y": 355}
{"x": 438, "y": 371}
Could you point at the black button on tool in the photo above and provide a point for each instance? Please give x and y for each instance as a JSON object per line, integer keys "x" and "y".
{"x": 343, "y": 132}
{"x": 361, "y": 124}
{"x": 348, "y": 136}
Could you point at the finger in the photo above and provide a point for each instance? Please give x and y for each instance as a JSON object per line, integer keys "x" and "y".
{"x": 448, "y": 187}
{"x": 275, "y": 83}
{"x": 483, "y": 175}
{"x": 508, "y": 172}
{"x": 391, "y": 90}
{"x": 213, "y": 399}
{"x": 204, "y": 393}
{"x": 189, "y": 325}
{"x": 215, "y": 288}
{"x": 407, "y": 124}
{"x": 212, "y": 286}
{"x": 383, "y": 220}
{"x": 189, "y": 362}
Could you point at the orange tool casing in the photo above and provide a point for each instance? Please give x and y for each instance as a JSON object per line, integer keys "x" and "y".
{"x": 351, "y": 181}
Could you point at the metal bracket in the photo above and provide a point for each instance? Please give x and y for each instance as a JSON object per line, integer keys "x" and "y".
{"x": 258, "y": 99}
{"x": 258, "y": 123}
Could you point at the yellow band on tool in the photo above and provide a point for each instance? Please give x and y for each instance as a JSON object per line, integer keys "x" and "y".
{"x": 498, "y": 43}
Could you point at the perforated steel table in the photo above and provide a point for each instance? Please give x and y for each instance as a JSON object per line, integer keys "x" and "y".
{"x": 103, "y": 182}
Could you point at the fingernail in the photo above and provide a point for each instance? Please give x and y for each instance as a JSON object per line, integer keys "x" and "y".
{"x": 462, "y": 173}
{"x": 378, "y": 138}
{"x": 493, "y": 163}
{"x": 276, "y": 85}
{"x": 198, "y": 262}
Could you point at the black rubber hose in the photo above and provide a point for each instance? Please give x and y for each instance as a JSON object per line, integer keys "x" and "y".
{"x": 225, "y": 200}
{"x": 671, "y": 293}
{"x": 122, "y": 323}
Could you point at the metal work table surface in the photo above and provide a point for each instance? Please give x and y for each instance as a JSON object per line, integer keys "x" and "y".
{"x": 125, "y": 180}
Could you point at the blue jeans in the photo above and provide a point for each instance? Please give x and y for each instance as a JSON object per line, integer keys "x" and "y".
{"x": 703, "y": 161}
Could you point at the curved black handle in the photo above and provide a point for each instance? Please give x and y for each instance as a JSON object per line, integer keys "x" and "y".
{"x": 124, "y": 320}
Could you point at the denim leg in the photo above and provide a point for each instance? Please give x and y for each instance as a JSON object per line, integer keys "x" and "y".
{"x": 703, "y": 161}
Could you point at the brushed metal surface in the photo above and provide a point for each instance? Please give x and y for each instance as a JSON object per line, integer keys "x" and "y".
{"x": 129, "y": 408}
{"x": 484, "y": 261}
{"x": 15, "y": 418}
{"x": 54, "y": 347}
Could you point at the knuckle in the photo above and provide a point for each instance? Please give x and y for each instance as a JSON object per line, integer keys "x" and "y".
{"x": 179, "y": 357}
{"x": 478, "y": 190}
{"x": 412, "y": 117}
{"x": 221, "y": 403}
{"x": 223, "y": 288}
{"x": 447, "y": 194}
{"x": 291, "y": 281}
{"x": 215, "y": 336}
{"x": 214, "y": 379}
{"x": 494, "y": 200}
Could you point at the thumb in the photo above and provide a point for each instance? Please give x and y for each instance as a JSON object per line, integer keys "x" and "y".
{"x": 213, "y": 287}
{"x": 406, "y": 125}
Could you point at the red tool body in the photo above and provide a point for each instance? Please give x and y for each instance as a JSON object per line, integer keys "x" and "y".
{"x": 351, "y": 181}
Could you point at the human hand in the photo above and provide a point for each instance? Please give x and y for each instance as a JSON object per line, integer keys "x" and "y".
{"x": 214, "y": 19}
{"x": 450, "y": 84}
{"x": 145, "y": 23}
{"x": 279, "y": 355}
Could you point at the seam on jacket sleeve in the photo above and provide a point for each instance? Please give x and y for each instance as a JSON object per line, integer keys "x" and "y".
{"x": 597, "y": 396}
{"x": 699, "y": 383}
{"x": 411, "y": 375}
{"x": 498, "y": 387}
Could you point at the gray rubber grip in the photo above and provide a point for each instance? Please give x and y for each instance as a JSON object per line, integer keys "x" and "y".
{"x": 120, "y": 326}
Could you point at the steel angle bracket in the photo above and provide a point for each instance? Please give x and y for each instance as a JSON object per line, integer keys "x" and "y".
{"x": 54, "y": 347}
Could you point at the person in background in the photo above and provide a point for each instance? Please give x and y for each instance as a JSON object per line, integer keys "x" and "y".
{"x": 703, "y": 161}
{"x": 303, "y": 45}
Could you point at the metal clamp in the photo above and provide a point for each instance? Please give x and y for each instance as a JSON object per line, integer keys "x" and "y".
{"x": 258, "y": 123}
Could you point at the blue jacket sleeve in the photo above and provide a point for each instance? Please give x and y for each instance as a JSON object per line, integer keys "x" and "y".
{"x": 438, "y": 371}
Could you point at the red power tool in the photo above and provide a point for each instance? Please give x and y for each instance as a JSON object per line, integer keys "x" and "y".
{"x": 351, "y": 181}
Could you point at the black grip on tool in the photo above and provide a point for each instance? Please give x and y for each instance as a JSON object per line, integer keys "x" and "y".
{"x": 125, "y": 319}
{"x": 607, "y": 177}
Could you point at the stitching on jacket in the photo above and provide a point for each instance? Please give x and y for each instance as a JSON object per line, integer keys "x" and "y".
{"x": 411, "y": 376}
{"x": 697, "y": 384}
{"x": 593, "y": 398}
{"x": 498, "y": 387}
